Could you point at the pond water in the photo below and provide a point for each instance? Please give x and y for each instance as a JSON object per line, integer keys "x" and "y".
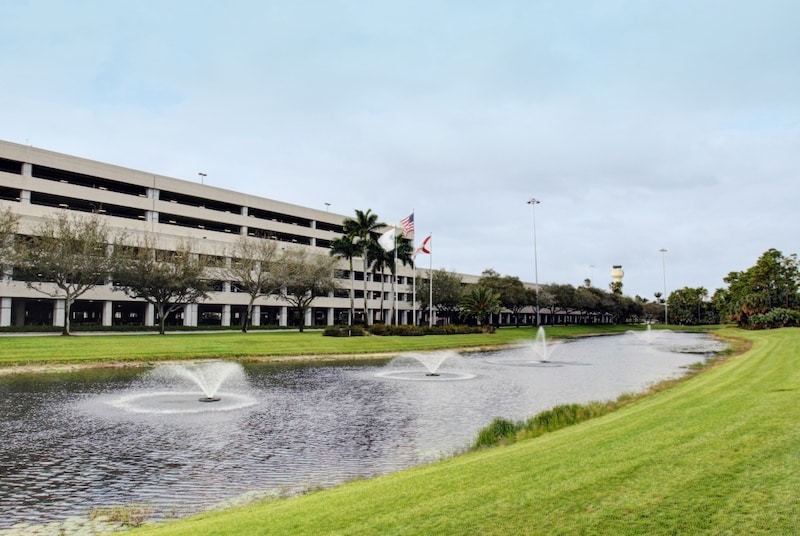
{"x": 76, "y": 441}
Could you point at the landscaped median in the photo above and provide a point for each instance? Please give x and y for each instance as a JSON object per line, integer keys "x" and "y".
{"x": 717, "y": 454}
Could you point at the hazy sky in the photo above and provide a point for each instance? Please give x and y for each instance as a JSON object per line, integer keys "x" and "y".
{"x": 640, "y": 125}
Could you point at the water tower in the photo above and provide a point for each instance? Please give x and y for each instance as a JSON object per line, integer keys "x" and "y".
{"x": 617, "y": 274}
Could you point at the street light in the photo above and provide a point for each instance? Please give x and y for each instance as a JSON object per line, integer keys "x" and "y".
{"x": 327, "y": 207}
{"x": 664, "y": 271}
{"x": 202, "y": 177}
{"x": 533, "y": 202}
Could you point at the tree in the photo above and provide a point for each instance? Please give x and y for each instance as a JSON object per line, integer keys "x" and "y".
{"x": 346, "y": 248}
{"x": 688, "y": 305}
{"x": 447, "y": 292}
{"x": 564, "y": 298}
{"x": 166, "y": 279}
{"x": 772, "y": 283}
{"x": 65, "y": 257}
{"x": 304, "y": 276}
{"x": 8, "y": 228}
{"x": 511, "y": 290}
{"x": 361, "y": 230}
{"x": 251, "y": 268}
{"x": 381, "y": 259}
{"x": 480, "y": 302}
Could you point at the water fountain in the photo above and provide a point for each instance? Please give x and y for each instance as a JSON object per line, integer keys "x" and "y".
{"x": 98, "y": 438}
{"x": 648, "y": 335}
{"x": 165, "y": 389}
{"x": 540, "y": 346}
{"x": 431, "y": 361}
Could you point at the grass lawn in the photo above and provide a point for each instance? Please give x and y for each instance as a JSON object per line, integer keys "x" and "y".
{"x": 78, "y": 349}
{"x": 717, "y": 454}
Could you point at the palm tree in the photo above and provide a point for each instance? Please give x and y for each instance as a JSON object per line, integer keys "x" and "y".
{"x": 362, "y": 228}
{"x": 381, "y": 259}
{"x": 480, "y": 302}
{"x": 404, "y": 252}
{"x": 345, "y": 248}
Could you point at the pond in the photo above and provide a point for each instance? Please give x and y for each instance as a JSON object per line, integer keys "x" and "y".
{"x": 98, "y": 438}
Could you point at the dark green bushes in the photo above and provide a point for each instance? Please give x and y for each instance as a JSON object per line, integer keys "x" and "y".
{"x": 415, "y": 331}
{"x": 344, "y": 331}
{"x": 775, "y": 318}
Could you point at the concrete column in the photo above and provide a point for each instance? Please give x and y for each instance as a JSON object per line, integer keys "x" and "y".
{"x": 152, "y": 215}
{"x": 255, "y": 318}
{"x": 284, "y": 316}
{"x": 309, "y": 317}
{"x": 5, "y": 312}
{"x": 149, "y": 315}
{"x": 25, "y": 196}
{"x": 226, "y": 315}
{"x": 108, "y": 313}
{"x": 190, "y": 315}
{"x": 27, "y": 169}
{"x": 331, "y": 316}
{"x": 59, "y": 309}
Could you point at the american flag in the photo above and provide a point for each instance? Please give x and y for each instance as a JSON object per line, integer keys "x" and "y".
{"x": 407, "y": 224}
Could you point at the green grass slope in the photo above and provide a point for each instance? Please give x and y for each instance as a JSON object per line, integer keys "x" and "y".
{"x": 718, "y": 454}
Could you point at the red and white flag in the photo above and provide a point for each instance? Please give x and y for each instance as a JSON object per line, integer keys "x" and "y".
{"x": 424, "y": 248}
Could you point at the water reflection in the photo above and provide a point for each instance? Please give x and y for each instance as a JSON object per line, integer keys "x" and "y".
{"x": 68, "y": 445}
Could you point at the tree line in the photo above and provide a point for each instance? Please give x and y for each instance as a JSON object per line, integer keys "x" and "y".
{"x": 65, "y": 256}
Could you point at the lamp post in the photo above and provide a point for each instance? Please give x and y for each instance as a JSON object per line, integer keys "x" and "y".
{"x": 664, "y": 272}
{"x": 533, "y": 202}
{"x": 202, "y": 177}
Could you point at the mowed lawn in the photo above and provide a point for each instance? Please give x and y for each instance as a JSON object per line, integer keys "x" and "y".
{"x": 717, "y": 454}
{"x": 110, "y": 348}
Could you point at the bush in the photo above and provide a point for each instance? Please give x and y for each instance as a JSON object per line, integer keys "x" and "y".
{"x": 775, "y": 318}
{"x": 403, "y": 331}
{"x": 344, "y": 331}
{"x": 416, "y": 331}
{"x": 499, "y": 431}
{"x": 502, "y": 430}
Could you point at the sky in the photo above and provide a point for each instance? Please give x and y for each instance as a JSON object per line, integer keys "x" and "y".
{"x": 639, "y": 125}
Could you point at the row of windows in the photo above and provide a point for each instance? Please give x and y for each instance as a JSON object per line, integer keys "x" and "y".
{"x": 18, "y": 274}
{"x": 89, "y": 181}
{"x": 83, "y": 205}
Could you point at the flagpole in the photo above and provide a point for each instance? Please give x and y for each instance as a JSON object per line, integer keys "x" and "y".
{"x": 394, "y": 286}
{"x": 430, "y": 285}
{"x": 414, "y": 294}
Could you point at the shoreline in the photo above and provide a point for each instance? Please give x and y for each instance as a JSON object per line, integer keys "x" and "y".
{"x": 51, "y": 368}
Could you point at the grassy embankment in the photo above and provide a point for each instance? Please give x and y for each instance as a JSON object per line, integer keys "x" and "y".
{"x": 717, "y": 454}
{"x": 98, "y": 349}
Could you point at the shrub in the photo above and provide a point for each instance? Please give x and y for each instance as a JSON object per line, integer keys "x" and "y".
{"x": 775, "y": 318}
{"x": 416, "y": 331}
{"x": 499, "y": 431}
{"x": 344, "y": 331}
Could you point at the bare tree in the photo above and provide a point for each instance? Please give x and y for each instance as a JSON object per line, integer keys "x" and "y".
{"x": 252, "y": 268}
{"x": 65, "y": 257}
{"x": 304, "y": 276}
{"x": 166, "y": 279}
